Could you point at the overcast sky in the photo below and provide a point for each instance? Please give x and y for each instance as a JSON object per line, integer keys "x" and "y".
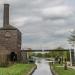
{"x": 44, "y": 24}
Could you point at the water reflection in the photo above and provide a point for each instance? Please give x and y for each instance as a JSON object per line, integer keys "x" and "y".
{"x": 42, "y": 67}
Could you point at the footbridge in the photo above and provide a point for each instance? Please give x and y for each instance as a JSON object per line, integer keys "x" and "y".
{"x": 44, "y": 50}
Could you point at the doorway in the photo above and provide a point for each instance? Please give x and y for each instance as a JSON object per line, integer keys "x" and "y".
{"x": 13, "y": 56}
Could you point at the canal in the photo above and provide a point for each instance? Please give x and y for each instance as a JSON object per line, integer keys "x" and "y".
{"x": 43, "y": 67}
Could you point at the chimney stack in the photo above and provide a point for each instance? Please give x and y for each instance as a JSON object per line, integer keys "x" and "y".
{"x": 6, "y": 15}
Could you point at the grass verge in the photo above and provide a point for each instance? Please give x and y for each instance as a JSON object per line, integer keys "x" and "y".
{"x": 61, "y": 71}
{"x": 17, "y": 69}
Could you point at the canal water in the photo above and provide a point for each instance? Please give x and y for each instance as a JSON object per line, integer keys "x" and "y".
{"x": 43, "y": 67}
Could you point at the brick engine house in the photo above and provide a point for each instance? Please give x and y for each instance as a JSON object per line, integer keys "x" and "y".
{"x": 10, "y": 40}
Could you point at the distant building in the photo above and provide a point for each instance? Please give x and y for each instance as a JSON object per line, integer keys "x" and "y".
{"x": 10, "y": 40}
{"x": 24, "y": 58}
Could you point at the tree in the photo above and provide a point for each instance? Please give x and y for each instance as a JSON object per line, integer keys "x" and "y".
{"x": 47, "y": 55}
{"x": 65, "y": 64}
{"x": 71, "y": 39}
{"x": 68, "y": 56}
{"x": 59, "y": 51}
{"x": 39, "y": 55}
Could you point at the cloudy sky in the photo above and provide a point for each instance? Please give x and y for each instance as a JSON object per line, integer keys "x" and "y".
{"x": 44, "y": 24}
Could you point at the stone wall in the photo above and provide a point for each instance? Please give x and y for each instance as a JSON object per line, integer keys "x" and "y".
{"x": 10, "y": 38}
{"x": 11, "y": 41}
{"x": 23, "y": 56}
{"x": 4, "y": 57}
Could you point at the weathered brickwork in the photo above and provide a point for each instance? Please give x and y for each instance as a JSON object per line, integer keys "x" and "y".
{"x": 10, "y": 39}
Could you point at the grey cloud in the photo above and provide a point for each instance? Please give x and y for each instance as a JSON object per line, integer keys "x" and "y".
{"x": 42, "y": 29}
{"x": 58, "y": 12}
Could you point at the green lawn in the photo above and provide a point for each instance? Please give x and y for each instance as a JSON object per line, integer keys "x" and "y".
{"x": 17, "y": 69}
{"x": 61, "y": 71}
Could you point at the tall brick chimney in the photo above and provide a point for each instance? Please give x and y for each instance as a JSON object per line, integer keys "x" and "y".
{"x": 6, "y": 15}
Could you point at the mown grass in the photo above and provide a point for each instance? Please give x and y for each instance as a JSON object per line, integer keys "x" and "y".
{"x": 61, "y": 71}
{"x": 17, "y": 69}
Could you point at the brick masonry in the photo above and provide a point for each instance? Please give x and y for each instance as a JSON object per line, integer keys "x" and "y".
{"x": 10, "y": 39}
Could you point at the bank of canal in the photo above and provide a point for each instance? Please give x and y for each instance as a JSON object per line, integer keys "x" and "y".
{"x": 43, "y": 68}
